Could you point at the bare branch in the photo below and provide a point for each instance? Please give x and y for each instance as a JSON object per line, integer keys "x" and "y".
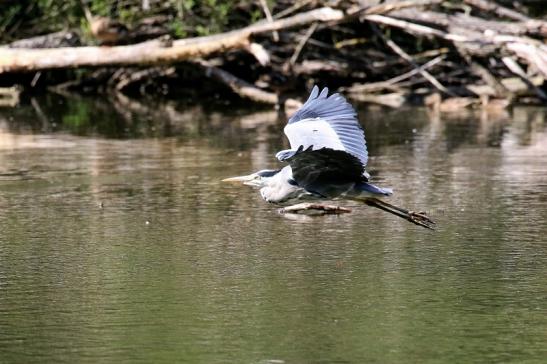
{"x": 375, "y": 86}
{"x": 497, "y": 9}
{"x": 517, "y": 70}
{"x": 268, "y": 14}
{"x": 302, "y": 43}
{"x": 399, "y": 51}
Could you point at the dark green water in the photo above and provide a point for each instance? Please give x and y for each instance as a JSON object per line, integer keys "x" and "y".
{"x": 119, "y": 244}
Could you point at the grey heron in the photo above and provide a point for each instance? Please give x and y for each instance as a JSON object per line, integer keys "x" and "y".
{"x": 327, "y": 160}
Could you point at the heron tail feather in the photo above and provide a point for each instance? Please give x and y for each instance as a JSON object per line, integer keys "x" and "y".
{"x": 375, "y": 190}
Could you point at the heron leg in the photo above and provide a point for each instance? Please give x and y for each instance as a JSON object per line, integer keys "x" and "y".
{"x": 312, "y": 206}
{"x": 418, "y": 218}
{"x": 420, "y": 214}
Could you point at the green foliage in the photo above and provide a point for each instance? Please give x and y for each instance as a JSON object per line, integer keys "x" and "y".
{"x": 99, "y": 7}
{"x": 207, "y": 17}
{"x": 77, "y": 116}
{"x": 24, "y": 18}
{"x": 9, "y": 16}
{"x": 184, "y": 18}
{"x": 186, "y": 4}
{"x": 177, "y": 29}
{"x": 256, "y": 15}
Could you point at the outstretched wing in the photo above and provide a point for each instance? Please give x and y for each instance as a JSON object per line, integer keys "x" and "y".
{"x": 326, "y": 122}
{"x": 325, "y": 171}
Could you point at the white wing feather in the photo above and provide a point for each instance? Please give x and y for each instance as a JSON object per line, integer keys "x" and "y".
{"x": 313, "y": 132}
{"x": 326, "y": 122}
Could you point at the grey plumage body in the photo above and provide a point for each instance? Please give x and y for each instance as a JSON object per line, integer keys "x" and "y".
{"x": 280, "y": 188}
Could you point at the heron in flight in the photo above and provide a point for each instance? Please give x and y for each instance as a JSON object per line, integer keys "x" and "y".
{"x": 327, "y": 160}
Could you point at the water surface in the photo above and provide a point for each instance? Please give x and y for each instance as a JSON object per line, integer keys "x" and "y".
{"x": 119, "y": 243}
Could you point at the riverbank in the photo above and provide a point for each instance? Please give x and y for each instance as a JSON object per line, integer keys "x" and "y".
{"x": 448, "y": 55}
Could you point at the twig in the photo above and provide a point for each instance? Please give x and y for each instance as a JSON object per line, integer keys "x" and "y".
{"x": 482, "y": 72}
{"x": 324, "y": 14}
{"x": 87, "y": 12}
{"x": 415, "y": 28}
{"x": 497, "y": 9}
{"x": 39, "y": 112}
{"x": 302, "y": 43}
{"x": 397, "y": 5}
{"x": 416, "y": 56}
{"x": 149, "y": 73}
{"x": 242, "y": 87}
{"x": 239, "y": 86}
{"x": 63, "y": 87}
{"x": 35, "y": 79}
{"x": 266, "y": 9}
{"x": 517, "y": 70}
{"x": 399, "y": 51}
{"x": 292, "y": 9}
{"x": 362, "y": 11}
{"x": 374, "y": 86}
{"x": 535, "y": 55}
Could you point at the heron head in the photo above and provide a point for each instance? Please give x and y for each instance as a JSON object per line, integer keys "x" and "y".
{"x": 257, "y": 179}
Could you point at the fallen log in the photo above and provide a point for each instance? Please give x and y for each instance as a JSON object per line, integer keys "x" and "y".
{"x": 152, "y": 52}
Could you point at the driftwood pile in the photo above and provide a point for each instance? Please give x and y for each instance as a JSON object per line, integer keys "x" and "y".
{"x": 450, "y": 54}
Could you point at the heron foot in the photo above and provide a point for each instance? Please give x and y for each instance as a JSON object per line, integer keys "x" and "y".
{"x": 421, "y": 218}
{"x": 310, "y": 206}
{"x": 418, "y": 218}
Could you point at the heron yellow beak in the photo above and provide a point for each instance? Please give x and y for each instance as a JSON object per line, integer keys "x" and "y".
{"x": 245, "y": 179}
